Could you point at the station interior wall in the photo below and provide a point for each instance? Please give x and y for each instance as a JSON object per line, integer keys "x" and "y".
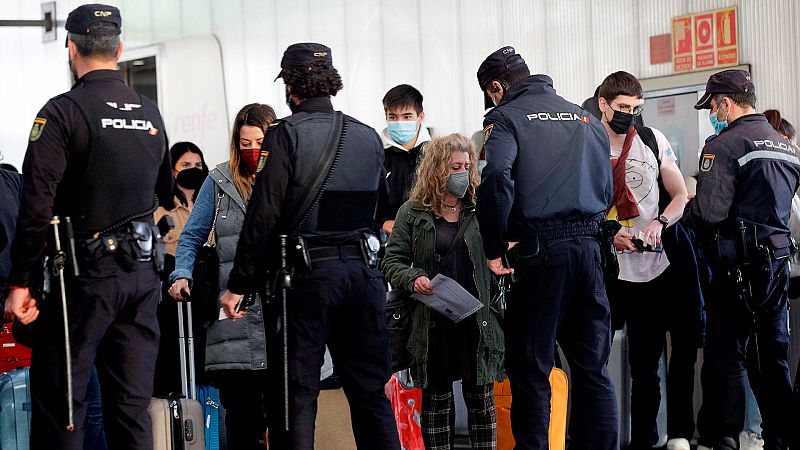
{"x": 435, "y": 45}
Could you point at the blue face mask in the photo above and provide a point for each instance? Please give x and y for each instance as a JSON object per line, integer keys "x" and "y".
{"x": 718, "y": 125}
{"x": 402, "y": 131}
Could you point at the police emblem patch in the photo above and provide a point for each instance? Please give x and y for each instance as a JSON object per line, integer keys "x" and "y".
{"x": 487, "y": 132}
{"x": 706, "y": 163}
{"x": 37, "y": 129}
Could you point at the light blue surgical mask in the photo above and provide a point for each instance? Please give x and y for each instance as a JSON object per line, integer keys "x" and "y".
{"x": 718, "y": 125}
{"x": 402, "y": 131}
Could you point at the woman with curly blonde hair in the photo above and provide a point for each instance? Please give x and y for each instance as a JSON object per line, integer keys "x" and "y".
{"x": 442, "y": 351}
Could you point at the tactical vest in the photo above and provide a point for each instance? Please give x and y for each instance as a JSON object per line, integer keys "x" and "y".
{"x": 127, "y": 144}
{"x": 348, "y": 203}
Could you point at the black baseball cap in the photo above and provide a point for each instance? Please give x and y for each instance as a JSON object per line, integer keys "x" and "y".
{"x": 731, "y": 81}
{"x": 84, "y": 20}
{"x": 300, "y": 56}
{"x": 495, "y": 65}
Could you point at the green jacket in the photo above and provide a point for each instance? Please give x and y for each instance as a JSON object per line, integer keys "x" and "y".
{"x": 410, "y": 253}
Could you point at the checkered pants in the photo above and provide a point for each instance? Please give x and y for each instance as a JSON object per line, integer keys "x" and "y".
{"x": 438, "y": 417}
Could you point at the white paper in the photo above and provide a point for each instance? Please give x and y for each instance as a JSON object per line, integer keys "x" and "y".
{"x": 222, "y": 315}
{"x": 450, "y": 299}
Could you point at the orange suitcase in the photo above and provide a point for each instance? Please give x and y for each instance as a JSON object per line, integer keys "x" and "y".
{"x": 558, "y": 412}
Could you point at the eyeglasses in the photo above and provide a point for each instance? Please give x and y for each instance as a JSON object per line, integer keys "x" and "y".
{"x": 636, "y": 110}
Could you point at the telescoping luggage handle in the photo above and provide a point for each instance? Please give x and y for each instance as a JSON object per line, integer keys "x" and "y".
{"x": 186, "y": 348}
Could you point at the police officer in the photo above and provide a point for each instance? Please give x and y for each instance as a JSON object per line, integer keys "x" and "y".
{"x": 340, "y": 298}
{"x": 97, "y": 154}
{"x": 748, "y": 176}
{"x": 546, "y": 185}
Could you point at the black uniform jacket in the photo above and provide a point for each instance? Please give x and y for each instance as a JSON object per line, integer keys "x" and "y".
{"x": 277, "y": 182}
{"x": 55, "y": 162}
{"x": 748, "y": 172}
{"x": 547, "y": 161}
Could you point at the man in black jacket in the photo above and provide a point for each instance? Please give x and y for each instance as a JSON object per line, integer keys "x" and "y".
{"x": 403, "y": 141}
{"x": 339, "y": 297}
{"x": 81, "y": 152}
{"x": 10, "y": 187}
{"x": 748, "y": 176}
{"x": 546, "y": 185}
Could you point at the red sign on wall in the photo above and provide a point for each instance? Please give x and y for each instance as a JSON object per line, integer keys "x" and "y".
{"x": 682, "y": 44}
{"x": 705, "y": 40}
{"x": 727, "y": 45}
{"x": 660, "y": 49}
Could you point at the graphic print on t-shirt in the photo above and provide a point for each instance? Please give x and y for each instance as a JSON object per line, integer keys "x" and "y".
{"x": 641, "y": 178}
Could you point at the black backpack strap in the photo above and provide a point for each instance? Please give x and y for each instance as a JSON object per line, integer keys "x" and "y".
{"x": 649, "y": 139}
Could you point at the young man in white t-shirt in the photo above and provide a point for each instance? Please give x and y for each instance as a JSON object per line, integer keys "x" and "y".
{"x": 644, "y": 289}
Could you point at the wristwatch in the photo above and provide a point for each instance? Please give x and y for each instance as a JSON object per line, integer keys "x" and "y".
{"x": 663, "y": 219}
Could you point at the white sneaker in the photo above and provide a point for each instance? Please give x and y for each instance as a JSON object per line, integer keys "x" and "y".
{"x": 750, "y": 441}
{"x": 678, "y": 444}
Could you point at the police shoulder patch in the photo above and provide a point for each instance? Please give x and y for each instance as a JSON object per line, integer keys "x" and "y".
{"x": 37, "y": 129}
{"x": 487, "y": 131}
{"x": 706, "y": 161}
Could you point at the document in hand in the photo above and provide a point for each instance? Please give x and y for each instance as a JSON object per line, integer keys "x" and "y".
{"x": 450, "y": 299}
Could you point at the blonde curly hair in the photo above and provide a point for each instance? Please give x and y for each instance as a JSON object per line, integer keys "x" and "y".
{"x": 434, "y": 169}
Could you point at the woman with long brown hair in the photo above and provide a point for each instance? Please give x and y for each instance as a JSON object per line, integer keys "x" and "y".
{"x": 236, "y": 352}
{"x": 441, "y": 351}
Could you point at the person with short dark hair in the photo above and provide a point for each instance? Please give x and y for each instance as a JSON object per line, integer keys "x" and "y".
{"x": 546, "y": 186}
{"x": 337, "y": 294}
{"x": 645, "y": 293}
{"x": 748, "y": 177}
{"x": 97, "y": 154}
{"x": 403, "y": 139}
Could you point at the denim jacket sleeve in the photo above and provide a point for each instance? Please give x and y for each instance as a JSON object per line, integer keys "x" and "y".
{"x": 195, "y": 233}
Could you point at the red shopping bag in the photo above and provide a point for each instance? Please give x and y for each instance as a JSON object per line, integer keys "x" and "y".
{"x": 407, "y": 407}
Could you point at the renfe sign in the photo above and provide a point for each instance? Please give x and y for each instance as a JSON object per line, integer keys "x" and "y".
{"x": 705, "y": 40}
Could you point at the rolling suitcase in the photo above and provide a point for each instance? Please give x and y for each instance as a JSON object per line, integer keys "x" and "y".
{"x": 178, "y": 420}
{"x": 558, "y": 412}
{"x": 209, "y": 398}
{"x": 15, "y": 410}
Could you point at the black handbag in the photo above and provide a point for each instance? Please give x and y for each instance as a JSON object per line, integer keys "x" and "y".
{"x": 205, "y": 275}
{"x": 400, "y": 308}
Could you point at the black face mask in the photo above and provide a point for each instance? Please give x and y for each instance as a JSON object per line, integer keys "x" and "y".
{"x": 191, "y": 178}
{"x": 621, "y": 122}
{"x": 289, "y": 102}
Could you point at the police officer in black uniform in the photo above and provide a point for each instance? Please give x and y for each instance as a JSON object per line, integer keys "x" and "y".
{"x": 97, "y": 154}
{"x": 748, "y": 176}
{"x": 340, "y": 300}
{"x": 546, "y": 185}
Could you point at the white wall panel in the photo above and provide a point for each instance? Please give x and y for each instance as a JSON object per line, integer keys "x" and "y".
{"x": 433, "y": 45}
{"x": 261, "y": 54}
{"x": 362, "y": 66}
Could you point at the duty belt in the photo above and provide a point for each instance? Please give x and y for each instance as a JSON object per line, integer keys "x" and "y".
{"x": 330, "y": 253}
{"x": 550, "y": 232}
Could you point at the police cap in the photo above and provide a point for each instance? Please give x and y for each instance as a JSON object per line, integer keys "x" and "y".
{"x": 731, "y": 81}
{"x": 302, "y": 55}
{"x": 494, "y": 66}
{"x": 84, "y": 20}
